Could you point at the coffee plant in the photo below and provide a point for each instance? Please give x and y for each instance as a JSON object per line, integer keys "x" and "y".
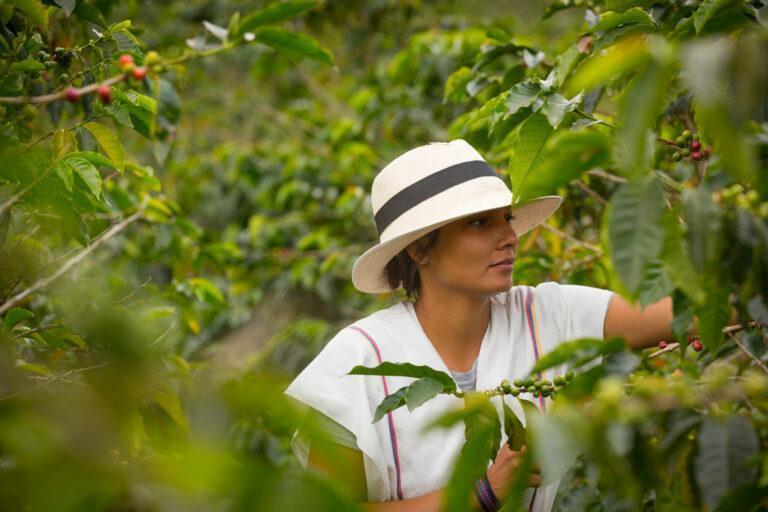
{"x": 184, "y": 187}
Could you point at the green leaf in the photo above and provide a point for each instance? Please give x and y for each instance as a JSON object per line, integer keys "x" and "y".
{"x": 513, "y": 427}
{"x": 634, "y": 229}
{"x": 713, "y": 313}
{"x": 89, "y": 174}
{"x": 623, "y": 57}
{"x": 555, "y": 442}
{"x": 16, "y": 315}
{"x": 126, "y": 42}
{"x": 456, "y": 85}
{"x": 677, "y": 259}
{"x": 294, "y": 42}
{"x": 96, "y": 159}
{"x": 556, "y": 106}
{"x": 108, "y": 142}
{"x": 566, "y": 155}
{"x": 169, "y": 400}
{"x": 407, "y": 370}
{"x": 641, "y": 105}
{"x": 703, "y": 221}
{"x": 723, "y": 460}
{"x": 273, "y": 13}
{"x": 577, "y": 353}
{"x": 610, "y": 19}
{"x": 34, "y": 9}
{"x": 655, "y": 284}
{"x": 521, "y": 95}
{"x": 527, "y": 149}
{"x": 421, "y": 391}
{"x": 390, "y": 403}
{"x": 27, "y": 65}
{"x": 33, "y": 368}
{"x": 64, "y": 171}
{"x": 204, "y": 290}
{"x": 88, "y": 12}
{"x": 623, "y": 5}
{"x": 708, "y": 10}
{"x": 471, "y": 465}
{"x": 63, "y": 142}
{"x": 708, "y": 72}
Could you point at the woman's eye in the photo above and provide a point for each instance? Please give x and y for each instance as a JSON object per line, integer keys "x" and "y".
{"x": 510, "y": 218}
{"x": 478, "y": 222}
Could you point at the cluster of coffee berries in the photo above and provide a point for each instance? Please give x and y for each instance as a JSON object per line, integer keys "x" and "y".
{"x": 690, "y": 146}
{"x": 693, "y": 340}
{"x": 737, "y": 195}
{"x": 537, "y": 387}
{"x": 127, "y": 65}
{"x": 104, "y": 93}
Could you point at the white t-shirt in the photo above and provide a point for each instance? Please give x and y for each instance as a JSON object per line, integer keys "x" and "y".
{"x": 401, "y": 459}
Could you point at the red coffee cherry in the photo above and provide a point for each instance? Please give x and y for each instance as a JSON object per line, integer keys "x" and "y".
{"x": 697, "y": 346}
{"x": 139, "y": 73}
{"x": 695, "y": 145}
{"x": 105, "y": 94}
{"x": 696, "y": 155}
{"x": 125, "y": 62}
{"x": 72, "y": 94}
{"x": 662, "y": 344}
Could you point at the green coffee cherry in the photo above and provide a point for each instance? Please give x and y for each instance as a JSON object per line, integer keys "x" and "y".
{"x": 686, "y": 152}
{"x": 518, "y": 383}
{"x": 695, "y": 137}
{"x": 681, "y": 141}
{"x": 505, "y": 386}
{"x": 570, "y": 375}
{"x": 677, "y": 156}
{"x": 687, "y": 134}
{"x": 528, "y": 382}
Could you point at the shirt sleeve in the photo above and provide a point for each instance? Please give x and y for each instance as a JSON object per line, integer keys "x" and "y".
{"x": 586, "y": 310}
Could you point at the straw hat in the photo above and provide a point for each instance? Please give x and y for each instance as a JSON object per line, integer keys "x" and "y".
{"x": 428, "y": 187}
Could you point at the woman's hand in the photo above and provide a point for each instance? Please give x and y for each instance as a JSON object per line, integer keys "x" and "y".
{"x": 503, "y": 470}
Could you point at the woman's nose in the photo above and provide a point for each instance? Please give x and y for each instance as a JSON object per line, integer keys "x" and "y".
{"x": 509, "y": 237}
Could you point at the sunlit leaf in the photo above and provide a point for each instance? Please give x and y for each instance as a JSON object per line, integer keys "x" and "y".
{"x": 273, "y": 13}
{"x": 527, "y": 149}
{"x": 108, "y": 142}
{"x": 294, "y": 43}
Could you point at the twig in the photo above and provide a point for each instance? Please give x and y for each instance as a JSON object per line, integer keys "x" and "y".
{"x": 60, "y": 94}
{"x": 36, "y": 329}
{"x": 162, "y": 336}
{"x": 571, "y": 239}
{"x": 670, "y": 347}
{"x": 54, "y": 379}
{"x": 134, "y": 292}
{"x": 606, "y": 175}
{"x": 757, "y": 361}
{"x": 42, "y": 283}
{"x": 600, "y": 199}
{"x": 18, "y": 195}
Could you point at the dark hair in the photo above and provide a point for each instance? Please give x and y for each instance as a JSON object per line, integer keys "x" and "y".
{"x": 403, "y": 271}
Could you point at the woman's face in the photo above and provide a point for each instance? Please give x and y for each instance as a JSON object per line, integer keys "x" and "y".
{"x": 473, "y": 255}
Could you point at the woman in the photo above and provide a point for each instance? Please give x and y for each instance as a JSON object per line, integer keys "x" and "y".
{"x": 449, "y": 237}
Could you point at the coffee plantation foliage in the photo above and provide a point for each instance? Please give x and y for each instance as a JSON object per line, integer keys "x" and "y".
{"x": 177, "y": 230}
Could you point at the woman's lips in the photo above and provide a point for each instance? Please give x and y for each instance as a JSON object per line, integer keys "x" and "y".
{"x": 505, "y": 264}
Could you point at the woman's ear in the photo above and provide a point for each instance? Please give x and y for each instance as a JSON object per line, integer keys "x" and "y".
{"x": 417, "y": 253}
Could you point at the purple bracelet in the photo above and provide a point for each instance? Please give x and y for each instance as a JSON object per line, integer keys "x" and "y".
{"x": 488, "y": 501}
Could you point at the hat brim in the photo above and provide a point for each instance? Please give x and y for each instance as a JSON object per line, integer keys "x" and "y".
{"x": 368, "y": 273}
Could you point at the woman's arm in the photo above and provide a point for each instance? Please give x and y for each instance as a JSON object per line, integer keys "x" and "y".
{"x": 643, "y": 328}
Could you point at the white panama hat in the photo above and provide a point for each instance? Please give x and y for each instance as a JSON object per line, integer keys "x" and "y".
{"x": 428, "y": 187}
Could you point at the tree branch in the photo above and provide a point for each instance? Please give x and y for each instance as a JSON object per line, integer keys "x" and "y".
{"x": 42, "y": 283}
